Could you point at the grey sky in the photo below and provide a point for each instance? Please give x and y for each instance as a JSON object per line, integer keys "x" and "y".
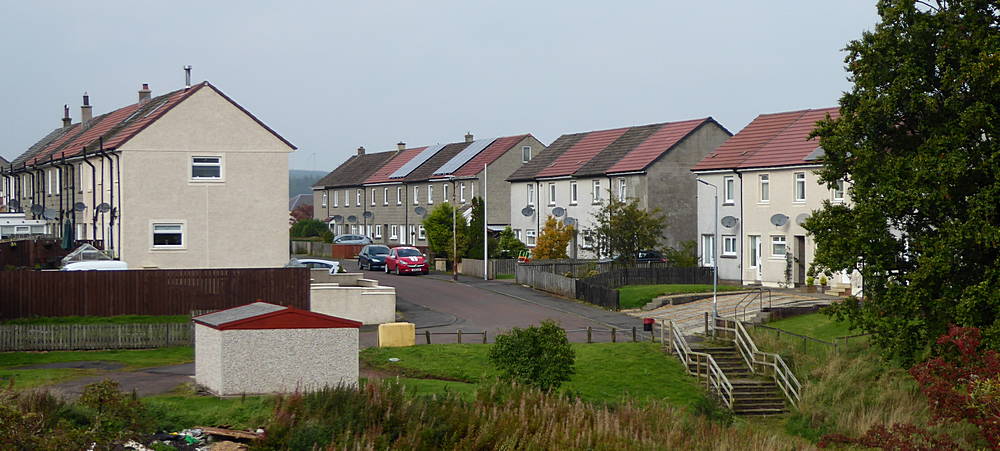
{"x": 330, "y": 76}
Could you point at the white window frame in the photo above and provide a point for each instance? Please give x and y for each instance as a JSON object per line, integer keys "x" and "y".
{"x": 777, "y": 240}
{"x": 622, "y": 189}
{"x": 378, "y": 231}
{"x": 421, "y": 233}
{"x": 472, "y": 190}
{"x": 529, "y": 234}
{"x": 552, "y": 194}
{"x": 729, "y": 190}
{"x": 764, "y": 183}
{"x": 416, "y": 195}
{"x": 180, "y": 224}
{"x": 399, "y": 195}
{"x": 837, "y": 193}
{"x": 394, "y": 232}
{"x": 525, "y": 154}
{"x": 444, "y": 193}
{"x": 596, "y": 194}
{"x": 347, "y": 198}
{"x": 531, "y": 194}
{"x": 411, "y": 237}
{"x": 708, "y": 250}
{"x": 373, "y": 200}
{"x": 325, "y": 198}
{"x": 358, "y": 198}
{"x": 461, "y": 192}
{"x": 517, "y": 234}
{"x": 385, "y": 196}
{"x": 220, "y": 163}
{"x": 573, "y": 194}
{"x": 728, "y": 245}
{"x": 22, "y": 230}
{"x": 799, "y": 187}
{"x": 430, "y": 194}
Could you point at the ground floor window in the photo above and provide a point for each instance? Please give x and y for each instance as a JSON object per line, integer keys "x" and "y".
{"x": 778, "y": 246}
{"x": 378, "y": 230}
{"x": 530, "y": 233}
{"x": 421, "y": 233}
{"x": 168, "y": 235}
{"x": 394, "y": 232}
{"x": 354, "y": 229}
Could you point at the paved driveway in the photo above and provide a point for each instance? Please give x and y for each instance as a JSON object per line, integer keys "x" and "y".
{"x": 690, "y": 317}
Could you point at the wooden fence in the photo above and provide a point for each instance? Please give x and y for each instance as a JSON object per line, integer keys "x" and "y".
{"x": 147, "y": 292}
{"x": 586, "y": 268}
{"x": 474, "y": 268}
{"x": 69, "y": 337}
{"x": 553, "y": 283}
{"x": 597, "y": 294}
{"x": 652, "y": 276}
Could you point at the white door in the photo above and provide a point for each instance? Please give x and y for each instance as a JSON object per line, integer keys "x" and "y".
{"x": 755, "y": 254}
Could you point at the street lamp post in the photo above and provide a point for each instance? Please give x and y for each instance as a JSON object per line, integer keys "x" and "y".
{"x": 715, "y": 255}
{"x": 454, "y": 233}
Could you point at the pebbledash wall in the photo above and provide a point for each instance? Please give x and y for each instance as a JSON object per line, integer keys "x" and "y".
{"x": 236, "y": 362}
{"x": 238, "y": 221}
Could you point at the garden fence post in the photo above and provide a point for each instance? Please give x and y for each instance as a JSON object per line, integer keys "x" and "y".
{"x": 427, "y": 334}
{"x": 484, "y": 337}
{"x": 613, "y": 338}
{"x": 460, "y": 336}
{"x": 706, "y": 324}
{"x": 589, "y": 332}
{"x": 633, "y": 335}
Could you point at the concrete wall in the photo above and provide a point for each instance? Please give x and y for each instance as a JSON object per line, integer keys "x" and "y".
{"x": 369, "y": 305}
{"x": 238, "y": 221}
{"x": 730, "y": 265}
{"x": 276, "y": 360}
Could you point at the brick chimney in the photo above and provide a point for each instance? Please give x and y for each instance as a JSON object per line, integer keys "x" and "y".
{"x": 361, "y": 150}
{"x": 145, "y": 94}
{"x": 86, "y": 112}
{"x": 67, "y": 121}
{"x": 400, "y": 146}
{"x": 468, "y": 137}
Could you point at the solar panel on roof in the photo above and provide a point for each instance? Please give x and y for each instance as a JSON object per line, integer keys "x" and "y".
{"x": 464, "y": 156}
{"x": 418, "y": 160}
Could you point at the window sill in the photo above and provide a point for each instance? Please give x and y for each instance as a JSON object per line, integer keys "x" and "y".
{"x": 728, "y": 256}
{"x": 763, "y": 202}
{"x": 799, "y": 201}
{"x": 728, "y": 203}
{"x": 205, "y": 182}
{"x": 168, "y": 249}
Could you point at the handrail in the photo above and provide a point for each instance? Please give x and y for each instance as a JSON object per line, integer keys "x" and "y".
{"x": 756, "y": 294}
{"x": 783, "y": 377}
{"x": 761, "y": 298}
{"x": 715, "y": 379}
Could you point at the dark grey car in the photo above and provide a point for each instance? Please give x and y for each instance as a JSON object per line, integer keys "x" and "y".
{"x": 372, "y": 256}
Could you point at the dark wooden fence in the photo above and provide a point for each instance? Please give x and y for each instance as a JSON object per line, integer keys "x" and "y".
{"x": 597, "y": 294}
{"x": 147, "y": 292}
{"x": 586, "y": 268}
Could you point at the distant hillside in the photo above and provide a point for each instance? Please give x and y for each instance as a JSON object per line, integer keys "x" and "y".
{"x": 300, "y": 181}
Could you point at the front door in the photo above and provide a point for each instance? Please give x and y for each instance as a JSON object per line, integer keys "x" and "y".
{"x": 800, "y": 260}
{"x": 755, "y": 263}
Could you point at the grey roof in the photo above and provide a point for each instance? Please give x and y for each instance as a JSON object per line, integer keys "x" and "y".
{"x": 464, "y": 156}
{"x": 235, "y": 314}
{"x": 355, "y": 170}
{"x": 816, "y": 154}
{"x": 418, "y": 160}
{"x": 300, "y": 200}
{"x": 3, "y": 161}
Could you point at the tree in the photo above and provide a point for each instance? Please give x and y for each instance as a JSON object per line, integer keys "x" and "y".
{"x": 918, "y": 138}
{"x": 553, "y": 240}
{"x": 539, "y": 356}
{"x": 439, "y": 231}
{"x": 302, "y": 212}
{"x": 475, "y": 249}
{"x": 508, "y": 246}
{"x": 623, "y": 229}
{"x": 308, "y": 228}
{"x": 684, "y": 256}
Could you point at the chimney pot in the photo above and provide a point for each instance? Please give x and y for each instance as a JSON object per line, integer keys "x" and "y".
{"x": 66, "y": 120}
{"x": 187, "y": 76}
{"x": 361, "y": 150}
{"x": 145, "y": 94}
{"x": 468, "y": 137}
{"x": 400, "y": 146}
{"x": 86, "y": 111}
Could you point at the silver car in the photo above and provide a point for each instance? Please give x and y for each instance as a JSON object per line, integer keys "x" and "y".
{"x": 314, "y": 263}
{"x": 352, "y": 239}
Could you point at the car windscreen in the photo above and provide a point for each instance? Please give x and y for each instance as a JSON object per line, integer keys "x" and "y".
{"x": 649, "y": 254}
{"x": 408, "y": 253}
{"x": 378, "y": 250}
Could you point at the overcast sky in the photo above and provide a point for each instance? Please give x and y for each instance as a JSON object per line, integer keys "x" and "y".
{"x": 332, "y": 76}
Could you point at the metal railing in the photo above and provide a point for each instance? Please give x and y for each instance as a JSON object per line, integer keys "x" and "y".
{"x": 715, "y": 379}
{"x": 757, "y": 294}
{"x": 759, "y": 361}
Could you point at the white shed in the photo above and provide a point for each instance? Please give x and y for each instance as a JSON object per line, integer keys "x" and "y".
{"x": 265, "y": 348}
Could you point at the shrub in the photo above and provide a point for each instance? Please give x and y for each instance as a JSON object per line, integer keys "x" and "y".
{"x": 538, "y": 356}
{"x": 308, "y": 227}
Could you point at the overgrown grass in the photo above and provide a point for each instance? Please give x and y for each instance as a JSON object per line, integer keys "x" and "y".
{"x": 816, "y": 325}
{"x": 184, "y": 409}
{"x": 132, "y": 359}
{"x": 635, "y": 296}
{"x": 121, "y": 319}
{"x": 605, "y": 372}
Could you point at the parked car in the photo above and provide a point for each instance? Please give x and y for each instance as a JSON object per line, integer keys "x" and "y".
{"x": 372, "y": 256}
{"x": 642, "y": 256}
{"x": 351, "y": 239}
{"x": 406, "y": 260}
{"x": 314, "y": 263}
{"x": 96, "y": 265}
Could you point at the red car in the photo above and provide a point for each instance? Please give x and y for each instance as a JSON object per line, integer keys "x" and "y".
{"x": 406, "y": 260}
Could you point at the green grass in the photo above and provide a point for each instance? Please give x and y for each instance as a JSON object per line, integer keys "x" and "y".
{"x": 122, "y": 319}
{"x": 816, "y": 325}
{"x": 132, "y": 359}
{"x": 185, "y": 409}
{"x": 605, "y": 372}
{"x": 635, "y": 296}
{"x": 504, "y": 276}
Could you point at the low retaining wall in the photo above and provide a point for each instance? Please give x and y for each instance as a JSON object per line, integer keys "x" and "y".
{"x": 370, "y": 304}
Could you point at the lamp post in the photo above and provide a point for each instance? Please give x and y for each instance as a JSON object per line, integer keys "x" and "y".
{"x": 454, "y": 232}
{"x": 715, "y": 257}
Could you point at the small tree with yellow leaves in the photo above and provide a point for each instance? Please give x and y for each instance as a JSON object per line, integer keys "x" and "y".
{"x": 553, "y": 240}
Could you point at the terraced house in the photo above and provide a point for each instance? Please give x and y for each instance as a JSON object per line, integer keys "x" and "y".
{"x": 187, "y": 179}
{"x": 385, "y": 195}
{"x": 580, "y": 171}
{"x": 768, "y": 186}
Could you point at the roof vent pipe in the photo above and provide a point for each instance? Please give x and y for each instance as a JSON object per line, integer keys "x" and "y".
{"x": 86, "y": 111}
{"x": 145, "y": 94}
{"x": 400, "y": 146}
{"x": 468, "y": 137}
{"x": 67, "y": 121}
{"x": 187, "y": 76}
{"x": 361, "y": 150}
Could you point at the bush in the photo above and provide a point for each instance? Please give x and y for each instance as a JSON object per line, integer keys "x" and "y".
{"x": 309, "y": 227}
{"x": 539, "y": 356}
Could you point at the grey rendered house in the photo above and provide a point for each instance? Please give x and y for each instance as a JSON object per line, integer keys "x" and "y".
{"x": 385, "y": 195}
{"x": 580, "y": 171}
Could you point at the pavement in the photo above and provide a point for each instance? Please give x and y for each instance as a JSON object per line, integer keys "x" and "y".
{"x": 146, "y": 382}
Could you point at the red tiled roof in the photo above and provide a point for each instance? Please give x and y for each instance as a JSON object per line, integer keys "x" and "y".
{"x": 382, "y": 174}
{"x": 586, "y": 148}
{"x": 778, "y": 139}
{"x": 665, "y": 138}
{"x": 495, "y": 150}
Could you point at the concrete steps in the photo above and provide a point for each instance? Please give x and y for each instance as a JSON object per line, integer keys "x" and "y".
{"x": 751, "y": 395}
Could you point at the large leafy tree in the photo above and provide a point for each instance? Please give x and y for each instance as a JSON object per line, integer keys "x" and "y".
{"x": 553, "y": 240}
{"x": 917, "y": 138}
{"x": 438, "y": 225}
{"x": 622, "y": 229}
{"x": 475, "y": 248}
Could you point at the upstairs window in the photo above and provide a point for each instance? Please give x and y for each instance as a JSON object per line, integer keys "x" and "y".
{"x": 444, "y": 193}
{"x": 206, "y": 168}
{"x": 572, "y": 193}
{"x": 416, "y": 195}
{"x": 336, "y": 194}
{"x": 385, "y": 196}
{"x": 357, "y": 198}
{"x": 461, "y": 192}
{"x": 347, "y": 198}
{"x": 373, "y": 197}
{"x": 552, "y": 193}
{"x": 728, "y": 190}
{"x": 531, "y": 193}
{"x": 838, "y": 191}
{"x": 596, "y": 194}
{"x": 430, "y": 194}
{"x": 800, "y": 186}
{"x": 525, "y": 154}
{"x": 622, "y": 190}
{"x": 765, "y": 187}
{"x": 399, "y": 195}
{"x": 323, "y": 204}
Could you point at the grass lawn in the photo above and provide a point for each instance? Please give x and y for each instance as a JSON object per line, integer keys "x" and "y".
{"x": 605, "y": 372}
{"x": 132, "y": 359}
{"x": 816, "y": 325}
{"x": 184, "y": 409}
{"x": 504, "y": 276}
{"x": 635, "y": 296}
{"x": 122, "y": 319}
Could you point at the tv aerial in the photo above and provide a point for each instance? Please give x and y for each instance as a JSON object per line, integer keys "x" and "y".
{"x": 79, "y": 206}
{"x": 420, "y": 211}
{"x": 779, "y": 219}
{"x": 104, "y": 207}
{"x": 729, "y": 222}
{"x": 527, "y": 211}
{"x": 558, "y": 211}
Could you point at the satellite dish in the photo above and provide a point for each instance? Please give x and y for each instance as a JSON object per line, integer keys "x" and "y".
{"x": 801, "y": 218}
{"x": 558, "y": 211}
{"x": 14, "y": 204}
{"x": 50, "y": 213}
{"x": 729, "y": 221}
{"x": 80, "y": 206}
{"x": 37, "y": 209}
{"x": 338, "y": 218}
{"x": 352, "y": 219}
{"x": 779, "y": 219}
{"x": 527, "y": 211}
{"x": 104, "y": 207}
{"x": 569, "y": 221}
{"x": 420, "y": 211}
{"x": 368, "y": 215}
